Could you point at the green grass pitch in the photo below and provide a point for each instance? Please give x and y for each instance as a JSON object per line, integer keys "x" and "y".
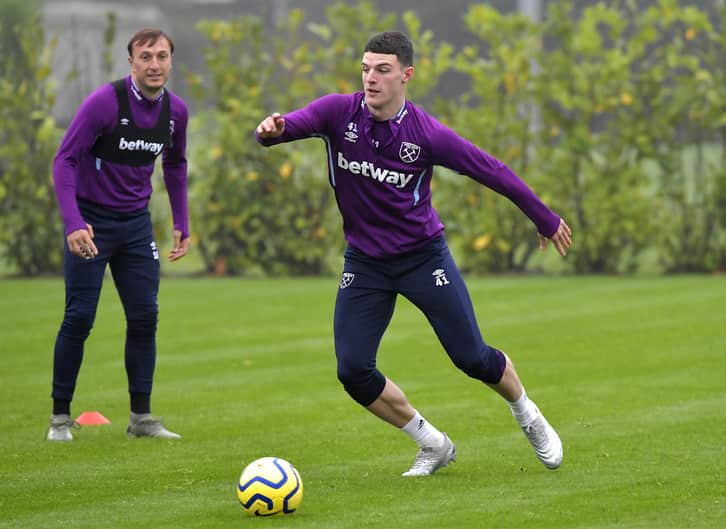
{"x": 631, "y": 371}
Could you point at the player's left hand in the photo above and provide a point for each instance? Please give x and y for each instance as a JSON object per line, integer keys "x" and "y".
{"x": 272, "y": 126}
{"x": 562, "y": 239}
{"x": 181, "y": 246}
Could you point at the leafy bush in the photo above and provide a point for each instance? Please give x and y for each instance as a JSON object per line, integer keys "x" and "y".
{"x": 31, "y": 232}
{"x": 595, "y": 108}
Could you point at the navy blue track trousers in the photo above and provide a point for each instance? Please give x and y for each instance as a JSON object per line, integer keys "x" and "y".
{"x": 125, "y": 243}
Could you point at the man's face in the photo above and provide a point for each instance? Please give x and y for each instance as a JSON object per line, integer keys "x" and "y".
{"x": 150, "y": 65}
{"x": 384, "y": 79}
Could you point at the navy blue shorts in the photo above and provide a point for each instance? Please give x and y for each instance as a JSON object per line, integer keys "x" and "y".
{"x": 430, "y": 279}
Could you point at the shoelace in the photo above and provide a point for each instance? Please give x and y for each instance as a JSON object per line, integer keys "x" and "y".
{"x": 150, "y": 420}
{"x": 70, "y": 423}
{"x": 424, "y": 458}
{"x": 151, "y": 424}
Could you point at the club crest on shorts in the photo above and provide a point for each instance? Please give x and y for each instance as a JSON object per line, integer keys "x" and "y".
{"x": 440, "y": 276}
{"x": 347, "y": 279}
{"x": 409, "y": 152}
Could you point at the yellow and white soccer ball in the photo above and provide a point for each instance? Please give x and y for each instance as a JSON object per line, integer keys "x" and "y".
{"x": 268, "y": 486}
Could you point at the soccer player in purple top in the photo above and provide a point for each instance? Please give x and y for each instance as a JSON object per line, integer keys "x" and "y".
{"x": 102, "y": 174}
{"x": 381, "y": 152}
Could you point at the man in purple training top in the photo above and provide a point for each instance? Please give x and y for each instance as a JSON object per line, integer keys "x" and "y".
{"x": 381, "y": 152}
{"x": 102, "y": 175}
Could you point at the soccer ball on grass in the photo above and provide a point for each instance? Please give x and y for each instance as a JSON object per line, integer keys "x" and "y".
{"x": 268, "y": 486}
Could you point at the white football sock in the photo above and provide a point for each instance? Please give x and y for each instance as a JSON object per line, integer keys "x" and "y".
{"x": 423, "y": 432}
{"x": 523, "y": 409}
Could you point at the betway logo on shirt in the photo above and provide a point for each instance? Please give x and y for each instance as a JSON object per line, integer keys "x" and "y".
{"x": 368, "y": 169}
{"x": 140, "y": 145}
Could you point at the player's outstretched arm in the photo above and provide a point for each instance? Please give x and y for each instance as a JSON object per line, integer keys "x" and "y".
{"x": 562, "y": 239}
{"x": 271, "y": 127}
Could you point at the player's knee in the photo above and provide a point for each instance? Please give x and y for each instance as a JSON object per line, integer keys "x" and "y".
{"x": 77, "y": 325}
{"x": 487, "y": 366}
{"x": 364, "y": 385}
{"x": 142, "y": 323}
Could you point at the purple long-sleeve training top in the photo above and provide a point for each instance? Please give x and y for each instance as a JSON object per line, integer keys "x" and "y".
{"x": 77, "y": 172}
{"x": 381, "y": 171}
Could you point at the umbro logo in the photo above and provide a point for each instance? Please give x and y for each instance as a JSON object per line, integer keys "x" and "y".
{"x": 351, "y": 134}
{"x": 124, "y": 121}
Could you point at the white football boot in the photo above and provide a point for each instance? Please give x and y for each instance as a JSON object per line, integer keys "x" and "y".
{"x": 144, "y": 425}
{"x": 60, "y": 428}
{"x": 545, "y": 441}
{"x": 430, "y": 459}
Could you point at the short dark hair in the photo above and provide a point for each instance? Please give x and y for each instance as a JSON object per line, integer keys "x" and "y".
{"x": 150, "y": 36}
{"x": 392, "y": 43}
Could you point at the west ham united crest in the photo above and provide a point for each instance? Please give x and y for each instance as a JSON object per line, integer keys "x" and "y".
{"x": 347, "y": 279}
{"x": 409, "y": 152}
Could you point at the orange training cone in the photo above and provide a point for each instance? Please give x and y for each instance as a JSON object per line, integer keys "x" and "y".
{"x": 92, "y": 418}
